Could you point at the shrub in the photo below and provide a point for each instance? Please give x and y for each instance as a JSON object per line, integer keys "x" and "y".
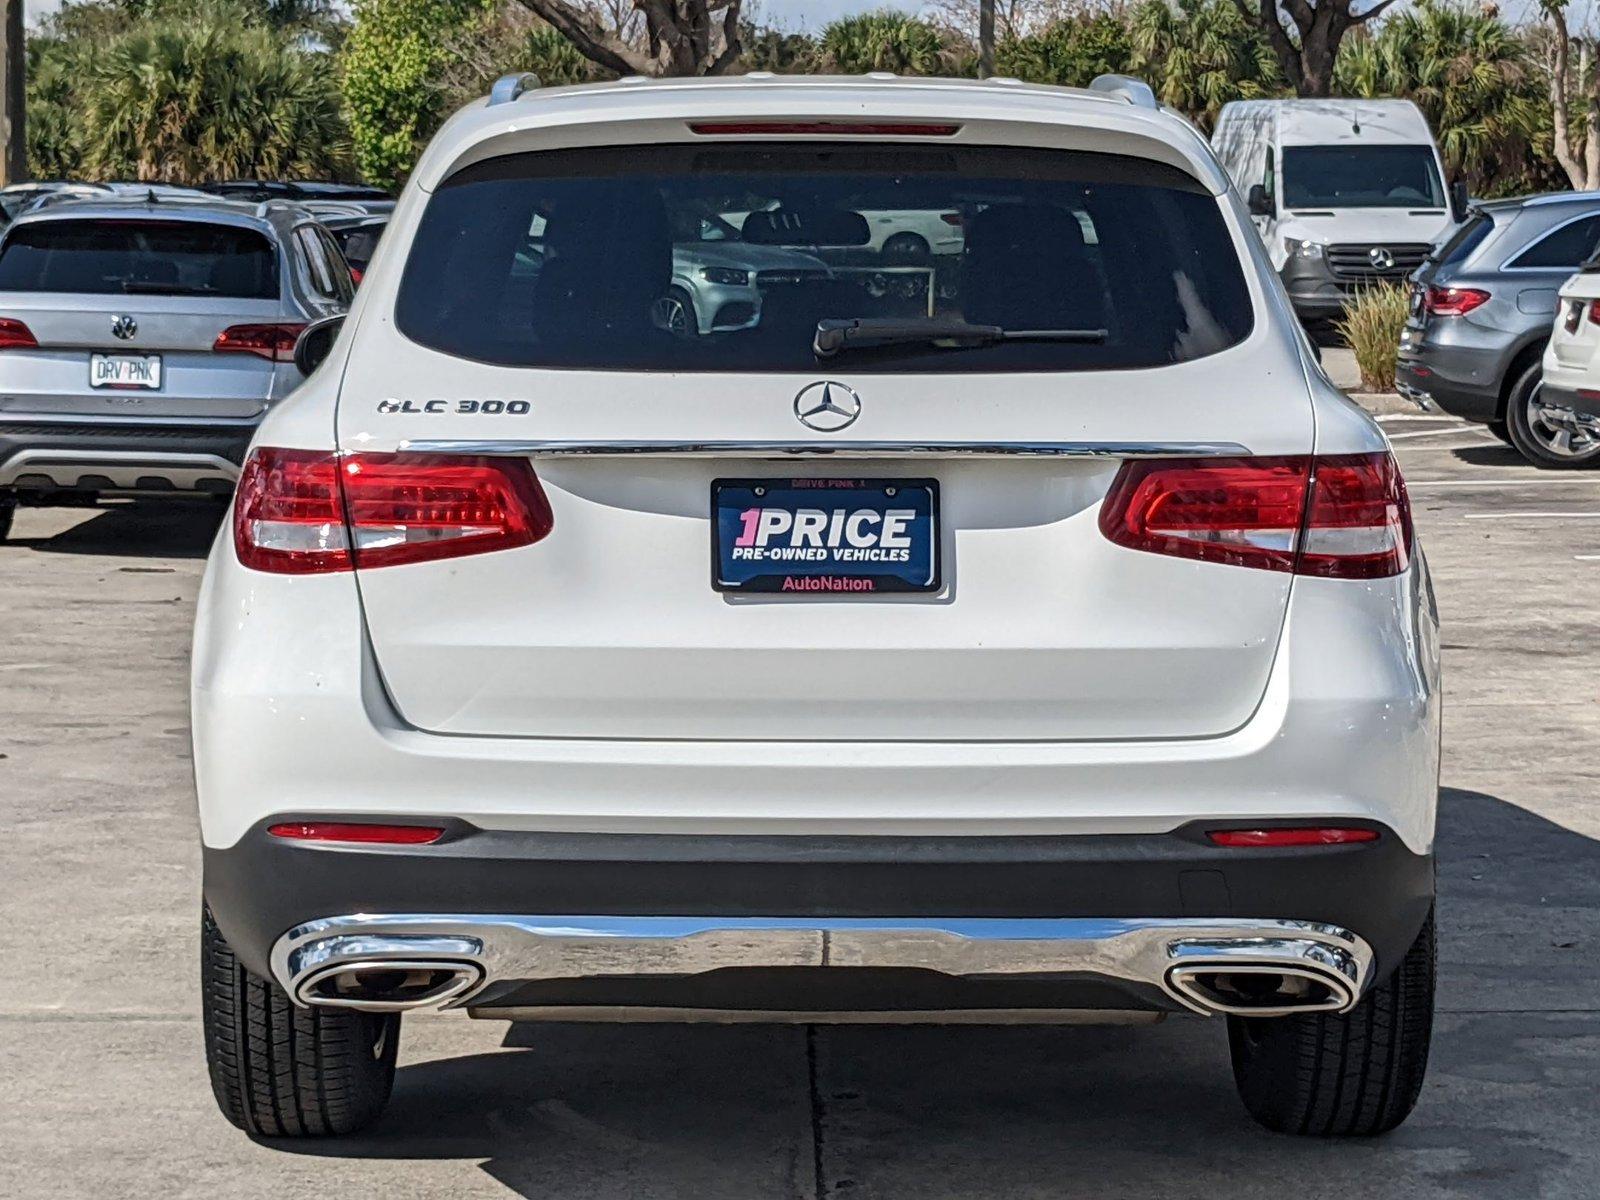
{"x": 1371, "y": 325}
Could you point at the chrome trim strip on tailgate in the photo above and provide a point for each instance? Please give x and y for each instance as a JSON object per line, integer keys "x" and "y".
{"x": 779, "y": 449}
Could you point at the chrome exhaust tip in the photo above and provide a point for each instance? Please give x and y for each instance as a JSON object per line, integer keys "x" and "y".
{"x": 1266, "y": 977}
{"x": 388, "y": 985}
{"x": 1268, "y": 990}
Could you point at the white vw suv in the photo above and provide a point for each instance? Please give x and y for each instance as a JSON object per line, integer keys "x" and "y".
{"x": 1061, "y": 654}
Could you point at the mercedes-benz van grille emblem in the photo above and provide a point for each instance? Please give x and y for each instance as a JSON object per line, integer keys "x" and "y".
{"x": 827, "y": 407}
{"x": 1381, "y": 257}
{"x": 124, "y": 326}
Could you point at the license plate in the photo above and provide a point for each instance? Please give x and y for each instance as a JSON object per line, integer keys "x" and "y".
{"x": 125, "y": 370}
{"x": 824, "y": 537}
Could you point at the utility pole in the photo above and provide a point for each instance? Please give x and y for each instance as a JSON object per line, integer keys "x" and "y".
{"x": 985, "y": 38}
{"x": 13, "y": 91}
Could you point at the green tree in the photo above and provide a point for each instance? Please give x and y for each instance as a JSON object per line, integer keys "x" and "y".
{"x": 196, "y": 96}
{"x": 394, "y": 62}
{"x": 180, "y": 90}
{"x": 1473, "y": 77}
{"x": 1200, "y": 54}
{"x": 1071, "y": 52}
{"x": 770, "y": 49}
{"x": 885, "y": 41}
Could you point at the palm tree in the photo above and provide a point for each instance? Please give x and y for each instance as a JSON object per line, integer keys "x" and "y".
{"x": 193, "y": 96}
{"x": 884, "y": 41}
{"x": 1201, "y": 54}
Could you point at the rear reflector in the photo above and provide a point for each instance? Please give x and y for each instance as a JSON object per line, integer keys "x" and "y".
{"x": 14, "y": 335}
{"x": 345, "y": 831}
{"x": 820, "y": 129}
{"x": 309, "y": 512}
{"x": 274, "y": 342}
{"x": 1337, "y": 516}
{"x": 1335, "y": 836}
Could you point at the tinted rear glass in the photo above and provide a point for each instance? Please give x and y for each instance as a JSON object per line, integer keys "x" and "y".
{"x": 1465, "y": 240}
{"x": 725, "y": 258}
{"x": 152, "y": 258}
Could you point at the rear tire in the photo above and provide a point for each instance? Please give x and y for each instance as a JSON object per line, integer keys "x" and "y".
{"x": 1541, "y": 444}
{"x": 1355, "y": 1075}
{"x": 279, "y": 1070}
{"x": 8, "y": 512}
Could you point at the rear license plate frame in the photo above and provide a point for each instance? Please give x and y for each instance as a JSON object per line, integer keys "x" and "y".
{"x": 826, "y": 577}
{"x": 151, "y": 363}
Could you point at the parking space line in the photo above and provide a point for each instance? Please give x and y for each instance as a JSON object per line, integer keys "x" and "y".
{"x": 1532, "y": 481}
{"x": 1542, "y": 516}
{"x": 1453, "y": 430}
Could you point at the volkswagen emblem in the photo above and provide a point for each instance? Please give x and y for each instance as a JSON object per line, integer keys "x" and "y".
{"x": 124, "y": 326}
{"x": 1381, "y": 257}
{"x": 827, "y": 407}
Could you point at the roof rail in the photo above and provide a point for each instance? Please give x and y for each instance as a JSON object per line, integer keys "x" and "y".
{"x": 1129, "y": 87}
{"x": 508, "y": 87}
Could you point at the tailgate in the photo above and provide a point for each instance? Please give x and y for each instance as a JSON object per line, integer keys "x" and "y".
{"x": 611, "y": 628}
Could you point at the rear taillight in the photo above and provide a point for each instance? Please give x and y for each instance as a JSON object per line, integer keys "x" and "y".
{"x": 305, "y": 512}
{"x": 1452, "y": 301}
{"x": 1337, "y": 516}
{"x": 274, "y": 341}
{"x": 14, "y": 335}
{"x": 1594, "y": 316}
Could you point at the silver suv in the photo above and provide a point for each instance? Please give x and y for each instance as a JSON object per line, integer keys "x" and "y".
{"x": 143, "y": 339}
{"x": 1481, "y": 310}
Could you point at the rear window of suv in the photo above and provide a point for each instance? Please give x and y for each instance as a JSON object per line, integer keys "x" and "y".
{"x": 133, "y": 257}
{"x": 726, "y": 257}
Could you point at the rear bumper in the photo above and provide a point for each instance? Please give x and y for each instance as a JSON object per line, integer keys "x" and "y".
{"x": 1463, "y": 380}
{"x": 734, "y": 924}
{"x": 132, "y": 456}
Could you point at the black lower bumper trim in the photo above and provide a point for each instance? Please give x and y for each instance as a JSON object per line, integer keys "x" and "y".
{"x": 263, "y": 886}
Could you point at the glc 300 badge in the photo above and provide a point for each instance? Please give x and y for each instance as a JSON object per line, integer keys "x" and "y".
{"x": 465, "y": 408}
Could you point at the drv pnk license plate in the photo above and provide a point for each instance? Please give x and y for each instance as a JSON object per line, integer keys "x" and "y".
{"x": 825, "y": 536}
{"x": 125, "y": 370}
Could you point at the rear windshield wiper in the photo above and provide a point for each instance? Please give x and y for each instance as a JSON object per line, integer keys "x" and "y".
{"x": 837, "y": 334}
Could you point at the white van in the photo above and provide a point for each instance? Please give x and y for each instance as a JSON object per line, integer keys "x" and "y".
{"x": 1346, "y": 193}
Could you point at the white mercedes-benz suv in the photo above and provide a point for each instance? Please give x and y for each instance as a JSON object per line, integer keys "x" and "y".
{"x": 1056, "y": 650}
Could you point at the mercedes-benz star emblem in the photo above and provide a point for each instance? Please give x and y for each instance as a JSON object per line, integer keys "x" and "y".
{"x": 1381, "y": 257}
{"x": 124, "y": 326}
{"x": 827, "y": 407}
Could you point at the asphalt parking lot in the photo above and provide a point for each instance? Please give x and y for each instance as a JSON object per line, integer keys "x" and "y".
{"x": 104, "y": 1091}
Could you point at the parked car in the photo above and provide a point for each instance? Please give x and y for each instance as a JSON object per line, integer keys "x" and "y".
{"x": 1481, "y": 311}
{"x": 357, "y": 238}
{"x": 1570, "y": 391}
{"x": 296, "y": 189}
{"x": 142, "y": 342}
{"x": 1345, "y": 193}
{"x": 1065, "y": 654}
{"x": 17, "y": 197}
{"x": 719, "y": 280}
